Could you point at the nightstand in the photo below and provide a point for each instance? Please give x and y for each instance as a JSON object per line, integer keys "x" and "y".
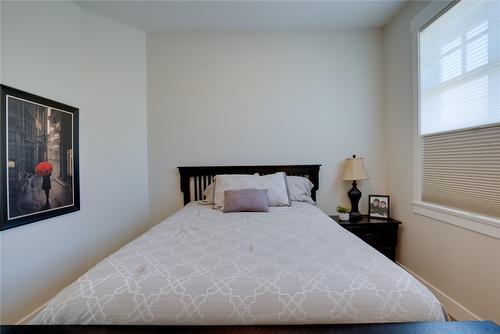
{"x": 380, "y": 234}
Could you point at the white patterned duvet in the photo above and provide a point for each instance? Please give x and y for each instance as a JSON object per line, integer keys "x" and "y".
{"x": 293, "y": 265}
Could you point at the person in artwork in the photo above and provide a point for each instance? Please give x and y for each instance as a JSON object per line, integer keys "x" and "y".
{"x": 375, "y": 207}
{"x": 383, "y": 208}
{"x": 46, "y": 185}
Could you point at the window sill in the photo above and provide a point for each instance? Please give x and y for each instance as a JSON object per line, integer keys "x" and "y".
{"x": 474, "y": 222}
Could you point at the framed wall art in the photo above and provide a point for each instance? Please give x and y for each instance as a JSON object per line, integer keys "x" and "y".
{"x": 39, "y": 176}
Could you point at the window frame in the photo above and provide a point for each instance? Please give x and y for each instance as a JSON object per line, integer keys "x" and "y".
{"x": 462, "y": 218}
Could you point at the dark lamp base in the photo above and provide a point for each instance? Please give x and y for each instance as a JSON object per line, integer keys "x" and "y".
{"x": 355, "y": 216}
{"x": 354, "y": 195}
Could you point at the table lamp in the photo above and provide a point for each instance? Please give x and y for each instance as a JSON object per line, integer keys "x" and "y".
{"x": 354, "y": 170}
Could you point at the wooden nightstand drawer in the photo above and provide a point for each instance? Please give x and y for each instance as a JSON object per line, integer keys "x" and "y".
{"x": 380, "y": 234}
{"x": 368, "y": 236}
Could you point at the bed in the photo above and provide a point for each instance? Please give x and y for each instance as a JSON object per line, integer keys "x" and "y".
{"x": 292, "y": 265}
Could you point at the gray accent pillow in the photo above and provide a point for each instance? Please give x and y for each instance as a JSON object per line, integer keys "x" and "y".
{"x": 299, "y": 189}
{"x": 246, "y": 200}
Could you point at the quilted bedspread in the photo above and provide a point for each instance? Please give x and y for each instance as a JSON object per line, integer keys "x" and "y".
{"x": 293, "y": 265}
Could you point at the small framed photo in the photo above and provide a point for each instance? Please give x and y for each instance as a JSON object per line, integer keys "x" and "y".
{"x": 378, "y": 206}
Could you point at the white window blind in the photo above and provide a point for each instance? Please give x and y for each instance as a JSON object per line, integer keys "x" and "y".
{"x": 459, "y": 82}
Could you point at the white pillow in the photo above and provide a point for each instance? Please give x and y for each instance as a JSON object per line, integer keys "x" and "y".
{"x": 209, "y": 193}
{"x": 299, "y": 189}
{"x": 274, "y": 183}
{"x": 276, "y": 188}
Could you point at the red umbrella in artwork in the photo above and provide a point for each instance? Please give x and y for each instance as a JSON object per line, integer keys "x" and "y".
{"x": 44, "y": 168}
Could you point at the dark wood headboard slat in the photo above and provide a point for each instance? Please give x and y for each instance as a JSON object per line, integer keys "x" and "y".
{"x": 202, "y": 176}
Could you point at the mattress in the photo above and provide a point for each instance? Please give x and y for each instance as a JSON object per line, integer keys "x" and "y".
{"x": 293, "y": 265}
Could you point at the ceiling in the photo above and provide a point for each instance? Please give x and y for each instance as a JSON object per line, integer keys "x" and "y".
{"x": 246, "y": 15}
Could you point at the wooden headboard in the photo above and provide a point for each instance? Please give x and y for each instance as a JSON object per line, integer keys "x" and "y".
{"x": 194, "y": 180}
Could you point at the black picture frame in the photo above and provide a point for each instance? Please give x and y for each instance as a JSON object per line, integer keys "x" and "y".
{"x": 56, "y": 114}
{"x": 372, "y": 213}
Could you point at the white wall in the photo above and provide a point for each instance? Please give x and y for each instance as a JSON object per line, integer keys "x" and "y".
{"x": 463, "y": 264}
{"x": 58, "y": 50}
{"x": 264, "y": 98}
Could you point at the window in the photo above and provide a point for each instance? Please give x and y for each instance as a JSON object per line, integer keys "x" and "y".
{"x": 459, "y": 108}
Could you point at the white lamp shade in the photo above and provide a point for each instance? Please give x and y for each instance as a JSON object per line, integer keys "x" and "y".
{"x": 354, "y": 169}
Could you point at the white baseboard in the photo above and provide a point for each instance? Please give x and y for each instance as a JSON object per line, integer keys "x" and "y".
{"x": 26, "y": 319}
{"x": 456, "y": 310}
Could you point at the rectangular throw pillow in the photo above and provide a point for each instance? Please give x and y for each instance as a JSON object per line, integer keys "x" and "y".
{"x": 246, "y": 200}
{"x": 274, "y": 183}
